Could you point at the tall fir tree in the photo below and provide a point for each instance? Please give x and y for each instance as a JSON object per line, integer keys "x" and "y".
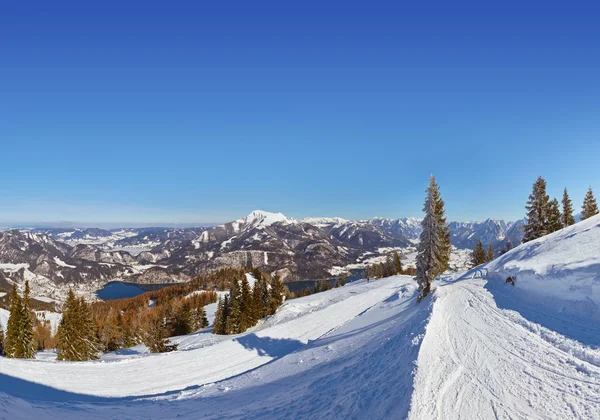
{"x": 478, "y": 257}
{"x": 27, "y": 340}
{"x": 554, "y": 217}
{"x": 590, "y": 207}
{"x": 489, "y": 256}
{"x": 235, "y": 308}
{"x": 567, "y": 210}
{"x": 246, "y": 310}
{"x": 220, "y": 323}
{"x": 397, "y": 263}
{"x": 277, "y": 294}
{"x": 445, "y": 247}
{"x": 76, "y": 335}
{"x": 432, "y": 242}
{"x": 537, "y": 212}
{"x": 12, "y": 347}
{"x": 1, "y": 339}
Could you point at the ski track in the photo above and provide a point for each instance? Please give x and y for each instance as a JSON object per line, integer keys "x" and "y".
{"x": 479, "y": 361}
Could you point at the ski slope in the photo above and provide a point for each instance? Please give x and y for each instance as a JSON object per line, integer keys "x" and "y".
{"x": 478, "y": 348}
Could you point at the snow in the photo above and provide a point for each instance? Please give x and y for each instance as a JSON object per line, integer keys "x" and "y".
{"x": 2, "y": 294}
{"x": 476, "y": 348}
{"x": 61, "y": 263}
{"x": 4, "y": 314}
{"x": 264, "y": 218}
{"x": 53, "y": 317}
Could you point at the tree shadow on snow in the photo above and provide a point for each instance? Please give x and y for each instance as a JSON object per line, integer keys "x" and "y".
{"x": 267, "y": 346}
{"x": 32, "y": 391}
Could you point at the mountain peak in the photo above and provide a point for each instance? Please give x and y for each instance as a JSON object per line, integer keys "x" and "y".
{"x": 265, "y": 218}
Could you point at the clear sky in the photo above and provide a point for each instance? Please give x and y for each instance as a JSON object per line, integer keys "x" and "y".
{"x": 181, "y": 112}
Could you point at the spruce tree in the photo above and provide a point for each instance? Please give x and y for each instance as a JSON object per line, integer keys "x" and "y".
{"x": 12, "y": 344}
{"x": 220, "y": 323}
{"x": 478, "y": 256}
{"x": 27, "y": 340}
{"x": 567, "y": 213}
{"x": 76, "y": 335}
{"x": 554, "y": 216}
{"x": 235, "y": 308}
{"x": 257, "y": 302}
{"x": 445, "y": 248}
{"x": 590, "y": 207}
{"x": 246, "y": 310}
{"x": 489, "y": 256}
{"x": 397, "y": 263}
{"x": 1, "y": 339}
{"x": 432, "y": 243}
{"x": 537, "y": 212}
{"x": 277, "y": 294}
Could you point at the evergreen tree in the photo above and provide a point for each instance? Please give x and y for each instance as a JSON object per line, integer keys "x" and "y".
{"x": 277, "y": 294}
{"x": 381, "y": 270}
{"x": 367, "y": 272}
{"x": 12, "y": 344}
{"x": 554, "y": 216}
{"x": 235, "y": 308}
{"x": 257, "y": 302}
{"x": 1, "y": 339}
{"x": 537, "y": 212}
{"x": 76, "y": 335}
{"x": 397, "y": 263}
{"x": 567, "y": 214}
{"x": 432, "y": 245}
{"x": 478, "y": 256}
{"x": 489, "y": 256}
{"x": 220, "y": 323}
{"x": 246, "y": 310}
{"x": 590, "y": 207}
{"x": 26, "y": 318}
{"x": 445, "y": 247}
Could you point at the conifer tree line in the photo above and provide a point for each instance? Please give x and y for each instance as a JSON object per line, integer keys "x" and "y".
{"x": 245, "y": 305}
{"x": 545, "y": 216}
{"x": 391, "y": 267}
{"x": 480, "y": 256}
{"x": 433, "y": 251}
{"x": 19, "y": 339}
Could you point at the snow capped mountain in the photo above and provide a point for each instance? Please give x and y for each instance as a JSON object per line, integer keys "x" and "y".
{"x": 408, "y": 227}
{"x": 325, "y": 221}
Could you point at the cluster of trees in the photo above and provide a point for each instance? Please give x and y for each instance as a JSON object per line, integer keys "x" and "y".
{"x": 433, "y": 251}
{"x": 392, "y": 266}
{"x": 19, "y": 341}
{"x": 545, "y": 216}
{"x": 246, "y": 305}
{"x": 480, "y": 256}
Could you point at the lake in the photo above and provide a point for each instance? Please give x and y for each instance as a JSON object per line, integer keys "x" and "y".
{"x": 120, "y": 290}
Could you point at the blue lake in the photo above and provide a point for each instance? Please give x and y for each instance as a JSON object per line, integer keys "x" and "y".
{"x": 121, "y": 290}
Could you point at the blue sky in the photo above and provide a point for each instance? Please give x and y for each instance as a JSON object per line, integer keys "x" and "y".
{"x": 161, "y": 113}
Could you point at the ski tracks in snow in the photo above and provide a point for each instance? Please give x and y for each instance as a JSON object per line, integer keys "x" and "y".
{"x": 478, "y": 362}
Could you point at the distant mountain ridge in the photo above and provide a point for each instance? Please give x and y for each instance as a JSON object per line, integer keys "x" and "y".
{"x": 309, "y": 248}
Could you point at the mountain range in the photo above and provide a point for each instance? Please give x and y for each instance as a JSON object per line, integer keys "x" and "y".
{"x": 312, "y": 248}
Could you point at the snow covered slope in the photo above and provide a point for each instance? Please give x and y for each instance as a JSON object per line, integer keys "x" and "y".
{"x": 478, "y": 348}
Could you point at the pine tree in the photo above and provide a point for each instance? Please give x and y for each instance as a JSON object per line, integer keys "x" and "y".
{"x": 590, "y": 207}
{"x": 367, "y": 272}
{"x": 153, "y": 331}
{"x": 381, "y": 270}
{"x": 432, "y": 246}
{"x": 257, "y": 302}
{"x": 397, "y": 263}
{"x": 554, "y": 216}
{"x": 235, "y": 308}
{"x": 12, "y": 344}
{"x": 277, "y": 294}
{"x": 489, "y": 256}
{"x": 26, "y": 318}
{"x": 76, "y": 335}
{"x": 537, "y": 212}
{"x": 1, "y": 339}
{"x": 220, "y": 323}
{"x": 478, "y": 256}
{"x": 445, "y": 248}
{"x": 567, "y": 214}
{"x": 246, "y": 310}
